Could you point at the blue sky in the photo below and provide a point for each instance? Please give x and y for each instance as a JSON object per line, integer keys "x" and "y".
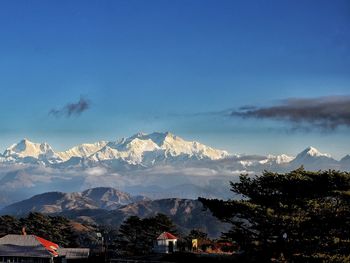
{"x": 174, "y": 66}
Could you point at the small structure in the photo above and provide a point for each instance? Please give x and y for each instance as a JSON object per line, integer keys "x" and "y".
{"x": 73, "y": 254}
{"x": 34, "y": 249}
{"x": 166, "y": 243}
{"x": 27, "y": 248}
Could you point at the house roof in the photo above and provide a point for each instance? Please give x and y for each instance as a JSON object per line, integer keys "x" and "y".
{"x": 27, "y": 246}
{"x": 166, "y": 235}
{"x": 50, "y": 246}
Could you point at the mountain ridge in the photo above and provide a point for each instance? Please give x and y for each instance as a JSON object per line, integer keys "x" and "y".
{"x": 138, "y": 149}
{"x": 56, "y": 202}
{"x": 187, "y": 214}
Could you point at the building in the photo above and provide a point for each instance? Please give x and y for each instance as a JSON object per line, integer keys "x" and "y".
{"x": 34, "y": 249}
{"x": 165, "y": 243}
{"x": 73, "y": 254}
{"x": 27, "y": 248}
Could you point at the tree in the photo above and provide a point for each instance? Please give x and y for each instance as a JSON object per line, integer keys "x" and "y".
{"x": 202, "y": 239}
{"x": 129, "y": 240}
{"x": 9, "y": 224}
{"x": 57, "y": 229}
{"x": 297, "y": 214}
{"x": 137, "y": 236}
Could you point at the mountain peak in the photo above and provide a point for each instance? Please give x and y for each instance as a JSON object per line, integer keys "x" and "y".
{"x": 23, "y": 143}
{"x": 27, "y": 148}
{"x": 139, "y": 134}
{"x": 156, "y": 137}
{"x": 312, "y": 151}
{"x": 311, "y": 154}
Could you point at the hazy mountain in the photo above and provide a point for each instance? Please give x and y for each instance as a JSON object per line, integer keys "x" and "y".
{"x": 110, "y": 198}
{"x": 94, "y": 206}
{"x": 57, "y": 202}
{"x": 345, "y": 162}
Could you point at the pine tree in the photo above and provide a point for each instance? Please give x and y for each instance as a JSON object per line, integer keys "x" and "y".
{"x": 300, "y": 214}
{"x": 137, "y": 236}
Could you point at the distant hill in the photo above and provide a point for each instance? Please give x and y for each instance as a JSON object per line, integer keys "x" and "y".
{"x": 57, "y": 202}
{"x": 108, "y": 206}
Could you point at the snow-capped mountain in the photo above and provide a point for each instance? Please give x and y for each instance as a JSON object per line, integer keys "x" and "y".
{"x": 312, "y": 159}
{"x": 139, "y": 149}
{"x": 148, "y": 149}
{"x": 82, "y": 150}
{"x": 27, "y": 151}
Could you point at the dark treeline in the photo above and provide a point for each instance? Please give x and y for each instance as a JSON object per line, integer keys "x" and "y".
{"x": 300, "y": 216}
{"x": 58, "y": 229}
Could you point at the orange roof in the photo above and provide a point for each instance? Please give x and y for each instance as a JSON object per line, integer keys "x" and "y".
{"x": 166, "y": 235}
{"x": 27, "y": 246}
{"x": 50, "y": 246}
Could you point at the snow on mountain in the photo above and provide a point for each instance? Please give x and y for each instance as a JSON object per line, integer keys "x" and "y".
{"x": 130, "y": 150}
{"x": 310, "y": 153}
{"x": 258, "y": 160}
{"x": 277, "y": 159}
{"x": 139, "y": 149}
{"x": 312, "y": 159}
{"x": 82, "y": 150}
{"x": 27, "y": 149}
{"x": 283, "y": 158}
{"x": 174, "y": 146}
{"x": 147, "y": 149}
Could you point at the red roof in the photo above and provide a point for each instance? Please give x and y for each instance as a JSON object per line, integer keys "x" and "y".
{"x": 27, "y": 246}
{"x": 166, "y": 235}
{"x": 50, "y": 246}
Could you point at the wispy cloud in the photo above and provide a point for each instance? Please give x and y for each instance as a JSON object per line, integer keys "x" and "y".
{"x": 71, "y": 109}
{"x": 326, "y": 113}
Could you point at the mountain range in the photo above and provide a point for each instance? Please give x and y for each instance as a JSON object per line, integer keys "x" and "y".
{"x": 147, "y": 150}
{"x": 109, "y": 206}
{"x": 156, "y": 165}
{"x": 140, "y": 149}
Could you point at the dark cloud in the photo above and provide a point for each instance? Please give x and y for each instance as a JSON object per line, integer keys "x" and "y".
{"x": 327, "y": 113}
{"x": 72, "y": 108}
